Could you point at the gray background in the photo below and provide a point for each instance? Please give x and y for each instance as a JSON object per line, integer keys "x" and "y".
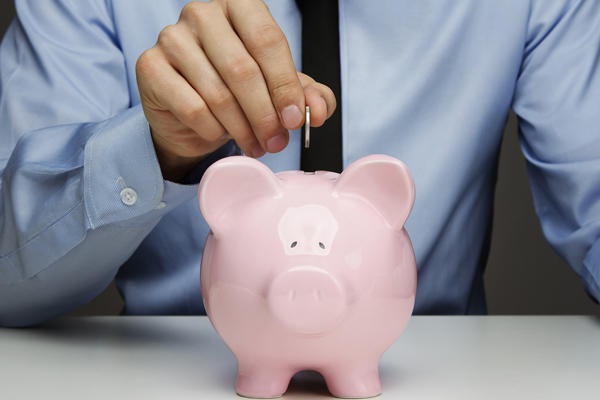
{"x": 523, "y": 275}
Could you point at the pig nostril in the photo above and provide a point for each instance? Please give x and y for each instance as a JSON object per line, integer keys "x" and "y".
{"x": 321, "y": 245}
{"x": 294, "y": 243}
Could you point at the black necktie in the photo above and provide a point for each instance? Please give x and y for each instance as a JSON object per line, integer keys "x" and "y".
{"x": 321, "y": 61}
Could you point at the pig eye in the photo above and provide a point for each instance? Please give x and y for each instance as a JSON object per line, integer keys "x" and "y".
{"x": 294, "y": 243}
{"x": 321, "y": 245}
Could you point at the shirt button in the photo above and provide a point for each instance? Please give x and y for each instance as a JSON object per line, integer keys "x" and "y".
{"x": 128, "y": 196}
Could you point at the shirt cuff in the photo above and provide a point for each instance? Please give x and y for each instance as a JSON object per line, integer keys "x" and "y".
{"x": 592, "y": 264}
{"x": 175, "y": 194}
{"x": 122, "y": 176}
{"x": 228, "y": 149}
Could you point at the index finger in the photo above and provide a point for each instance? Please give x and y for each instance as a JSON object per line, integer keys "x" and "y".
{"x": 267, "y": 44}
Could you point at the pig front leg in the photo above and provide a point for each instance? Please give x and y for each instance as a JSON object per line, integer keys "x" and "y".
{"x": 262, "y": 380}
{"x": 353, "y": 381}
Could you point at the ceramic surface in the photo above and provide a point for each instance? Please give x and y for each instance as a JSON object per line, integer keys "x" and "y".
{"x": 308, "y": 271}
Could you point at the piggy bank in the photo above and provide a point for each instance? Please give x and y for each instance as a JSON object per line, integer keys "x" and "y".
{"x": 308, "y": 271}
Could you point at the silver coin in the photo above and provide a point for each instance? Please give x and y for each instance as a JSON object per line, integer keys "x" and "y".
{"x": 307, "y": 129}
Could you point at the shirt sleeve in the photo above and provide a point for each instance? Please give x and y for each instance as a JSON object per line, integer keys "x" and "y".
{"x": 557, "y": 100}
{"x": 80, "y": 183}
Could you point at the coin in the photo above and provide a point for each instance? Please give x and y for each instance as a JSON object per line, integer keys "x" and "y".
{"x": 307, "y": 129}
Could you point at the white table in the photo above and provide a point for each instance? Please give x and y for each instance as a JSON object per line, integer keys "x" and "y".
{"x": 183, "y": 358}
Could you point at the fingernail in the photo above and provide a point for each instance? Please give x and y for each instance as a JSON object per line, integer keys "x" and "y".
{"x": 257, "y": 151}
{"x": 276, "y": 143}
{"x": 292, "y": 117}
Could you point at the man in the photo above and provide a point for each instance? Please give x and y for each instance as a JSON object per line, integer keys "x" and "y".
{"x": 105, "y": 135}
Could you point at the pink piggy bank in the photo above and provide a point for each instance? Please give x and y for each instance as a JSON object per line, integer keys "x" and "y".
{"x": 308, "y": 271}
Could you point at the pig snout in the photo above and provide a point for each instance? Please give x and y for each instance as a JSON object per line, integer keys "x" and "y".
{"x": 307, "y": 299}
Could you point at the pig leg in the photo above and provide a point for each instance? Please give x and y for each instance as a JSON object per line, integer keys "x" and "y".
{"x": 262, "y": 380}
{"x": 353, "y": 381}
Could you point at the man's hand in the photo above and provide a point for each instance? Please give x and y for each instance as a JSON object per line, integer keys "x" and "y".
{"x": 224, "y": 71}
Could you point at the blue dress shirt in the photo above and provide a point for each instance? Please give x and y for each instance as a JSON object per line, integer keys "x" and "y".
{"x": 82, "y": 198}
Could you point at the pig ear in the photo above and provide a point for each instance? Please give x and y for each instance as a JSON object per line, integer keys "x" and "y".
{"x": 232, "y": 182}
{"x": 382, "y": 181}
